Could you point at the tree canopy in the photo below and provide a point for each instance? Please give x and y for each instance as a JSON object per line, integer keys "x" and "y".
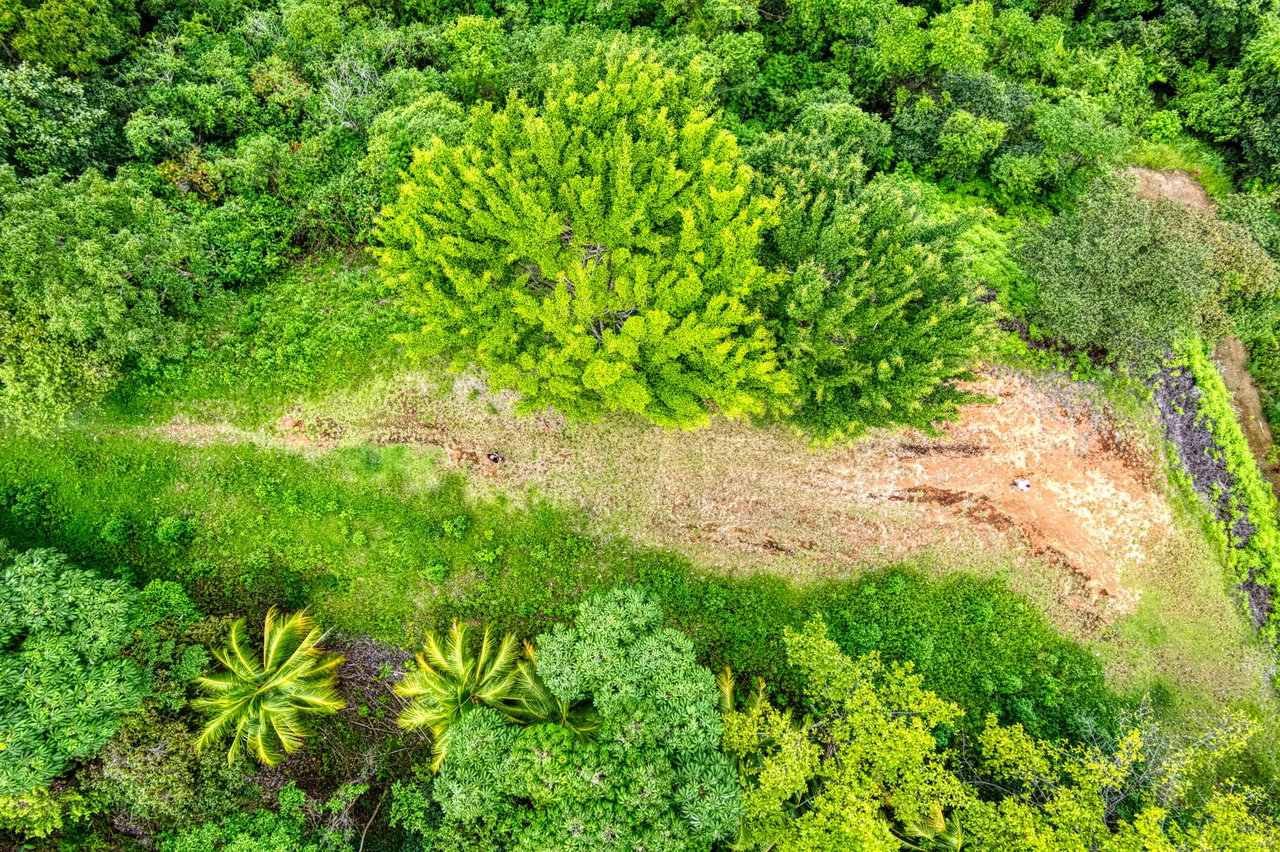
{"x": 595, "y": 251}
{"x": 62, "y": 633}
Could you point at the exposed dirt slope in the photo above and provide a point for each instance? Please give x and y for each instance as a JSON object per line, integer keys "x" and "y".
{"x": 1233, "y": 361}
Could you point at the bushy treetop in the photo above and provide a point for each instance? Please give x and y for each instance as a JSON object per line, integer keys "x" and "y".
{"x": 62, "y": 631}
{"x": 596, "y": 251}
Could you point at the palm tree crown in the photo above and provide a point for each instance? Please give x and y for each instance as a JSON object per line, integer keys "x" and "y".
{"x": 448, "y": 679}
{"x": 267, "y": 706}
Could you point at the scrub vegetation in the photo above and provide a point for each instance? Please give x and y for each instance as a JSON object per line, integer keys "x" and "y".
{"x": 353, "y": 363}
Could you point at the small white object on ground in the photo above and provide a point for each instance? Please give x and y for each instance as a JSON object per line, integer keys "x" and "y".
{"x": 1022, "y": 484}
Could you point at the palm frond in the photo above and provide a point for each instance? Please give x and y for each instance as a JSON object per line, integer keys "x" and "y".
{"x": 450, "y": 677}
{"x": 270, "y": 705}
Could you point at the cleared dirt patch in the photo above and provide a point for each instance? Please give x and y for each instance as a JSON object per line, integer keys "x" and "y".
{"x": 740, "y": 497}
{"x": 1170, "y": 184}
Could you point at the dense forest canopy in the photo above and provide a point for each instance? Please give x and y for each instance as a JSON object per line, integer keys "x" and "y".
{"x": 820, "y": 217}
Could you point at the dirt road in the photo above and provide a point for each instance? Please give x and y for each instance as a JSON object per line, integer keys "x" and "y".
{"x": 743, "y": 497}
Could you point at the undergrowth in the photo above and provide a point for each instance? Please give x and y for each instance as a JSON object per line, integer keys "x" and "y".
{"x": 1258, "y": 558}
{"x": 323, "y": 326}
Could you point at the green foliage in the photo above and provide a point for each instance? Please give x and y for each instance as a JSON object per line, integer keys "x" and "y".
{"x": 651, "y": 774}
{"x": 594, "y": 253}
{"x": 1258, "y": 212}
{"x": 979, "y": 647}
{"x": 167, "y": 642}
{"x": 1122, "y": 274}
{"x": 267, "y": 707}
{"x": 62, "y": 631}
{"x": 876, "y": 321}
{"x": 873, "y": 318}
{"x": 251, "y": 351}
{"x": 71, "y": 320}
{"x": 863, "y": 769}
{"x": 42, "y": 812}
{"x": 151, "y": 770}
{"x": 69, "y": 36}
{"x": 451, "y": 677}
{"x": 47, "y": 124}
{"x": 1150, "y": 789}
{"x": 253, "y": 831}
{"x": 866, "y": 751}
{"x": 1257, "y": 558}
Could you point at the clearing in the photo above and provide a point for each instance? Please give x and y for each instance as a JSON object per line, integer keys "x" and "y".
{"x": 1100, "y": 542}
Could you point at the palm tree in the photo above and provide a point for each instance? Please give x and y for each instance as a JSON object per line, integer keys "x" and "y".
{"x": 535, "y": 704}
{"x": 267, "y": 706}
{"x": 448, "y": 680}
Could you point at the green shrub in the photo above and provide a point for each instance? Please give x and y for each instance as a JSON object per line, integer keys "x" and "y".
{"x": 260, "y": 830}
{"x": 72, "y": 321}
{"x": 62, "y": 633}
{"x": 652, "y": 774}
{"x": 1122, "y": 274}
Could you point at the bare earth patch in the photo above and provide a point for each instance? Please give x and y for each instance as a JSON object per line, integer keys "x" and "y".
{"x": 1173, "y": 184}
{"x": 742, "y": 497}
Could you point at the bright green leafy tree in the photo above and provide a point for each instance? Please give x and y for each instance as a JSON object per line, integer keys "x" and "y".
{"x": 62, "y": 631}
{"x": 594, "y": 252}
{"x": 861, "y": 771}
{"x": 1152, "y": 789}
{"x": 267, "y": 707}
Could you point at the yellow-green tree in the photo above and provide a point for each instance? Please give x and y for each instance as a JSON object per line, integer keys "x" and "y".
{"x": 594, "y": 252}
{"x": 862, "y": 770}
{"x": 1152, "y": 790}
{"x": 268, "y": 706}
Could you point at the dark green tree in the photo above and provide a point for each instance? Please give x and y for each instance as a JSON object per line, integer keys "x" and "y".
{"x": 873, "y": 319}
{"x": 1131, "y": 276}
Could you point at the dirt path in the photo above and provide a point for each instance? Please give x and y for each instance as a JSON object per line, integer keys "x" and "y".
{"x": 1233, "y": 360}
{"x": 1170, "y": 184}
{"x": 743, "y": 497}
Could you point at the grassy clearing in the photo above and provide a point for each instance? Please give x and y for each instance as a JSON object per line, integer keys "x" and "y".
{"x": 346, "y": 533}
{"x": 375, "y": 529}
